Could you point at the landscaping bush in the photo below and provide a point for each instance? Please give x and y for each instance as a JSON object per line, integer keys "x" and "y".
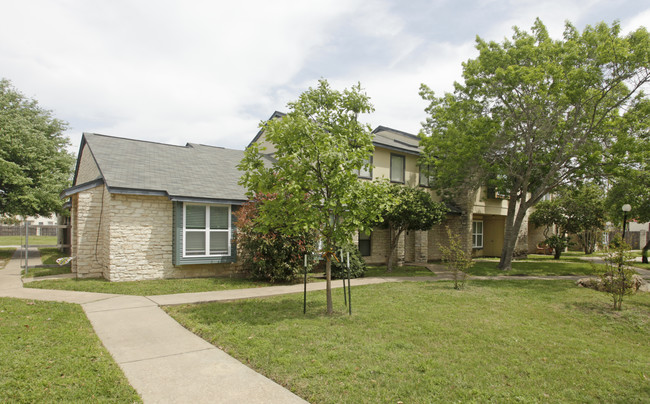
{"x": 269, "y": 255}
{"x": 618, "y": 278}
{"x": 357, "y": 264}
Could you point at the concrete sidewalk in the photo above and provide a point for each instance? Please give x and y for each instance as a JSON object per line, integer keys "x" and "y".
{"x": 163, "y": 361}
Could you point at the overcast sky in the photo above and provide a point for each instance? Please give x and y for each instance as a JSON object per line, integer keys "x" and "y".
{"x": 209, "y": 71}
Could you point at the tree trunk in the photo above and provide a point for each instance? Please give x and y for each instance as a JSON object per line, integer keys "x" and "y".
{"x": 328, "y": 283}
{"x": 513, "y": 224}
{"x": 557, "y": 252}
{"x": 644, "y": 252}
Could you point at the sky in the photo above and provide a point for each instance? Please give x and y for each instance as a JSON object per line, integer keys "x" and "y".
{"x": 179, "y": 71}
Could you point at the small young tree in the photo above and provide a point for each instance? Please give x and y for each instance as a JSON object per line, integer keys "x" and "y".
{"x": 411, "y": 209}
{"x": 319, "y": 146}
{"x": 457, "y": 259}
{"x": 618, "y": 277}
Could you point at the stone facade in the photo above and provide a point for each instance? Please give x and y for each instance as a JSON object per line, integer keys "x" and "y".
{"x": 128, "y": 237}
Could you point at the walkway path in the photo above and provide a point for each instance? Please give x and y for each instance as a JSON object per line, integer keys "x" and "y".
{"x": 165, "y": 362}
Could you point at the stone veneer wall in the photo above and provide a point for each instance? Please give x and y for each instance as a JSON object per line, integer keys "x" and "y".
{"x": 90, "y": 232}
{"x": 458, "y": 224}
{"x": 131, "y": 241}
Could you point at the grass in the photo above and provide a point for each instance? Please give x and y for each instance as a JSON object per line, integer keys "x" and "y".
{"x": 33, "y": 240}
{"x": 380, "y": 271}
{"x": 539, "y": 267}
{"x": 49, "y": 255}
{"x": 5, "y": 256}
{"x": 495, "y": 341}
{"x": 148, "y": 288}
{"x": 49, "y": 353}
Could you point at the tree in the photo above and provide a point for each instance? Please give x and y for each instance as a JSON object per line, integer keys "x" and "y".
{"x": 319, "y": 145}
{"x": 533, "y": 113}
{"x": 586, "y": 214}
{"x": 410, "y": 209}
{"x": 34, "y": 164}
{"x": 579, "y": 210}
{"x": 552, "y": 216}
{"x": 630, "y": 171}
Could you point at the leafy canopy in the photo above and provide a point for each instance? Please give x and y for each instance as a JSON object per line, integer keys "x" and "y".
{"x": 533, "y": 113}
{"x": 319, "y": 146}
{"x": 34, "y": 164}
{"x": 409, "y": 209}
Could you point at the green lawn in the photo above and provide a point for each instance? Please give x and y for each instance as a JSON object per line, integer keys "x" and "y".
{"x": 33, "y": 240}
{"x": 148, "y": 288}
{"x": 536, "y": 267}
{"x": 49, "y": 353}
{"x": 49, "y": 255}
{"x": 5, "y": 256}
{"x": 495, "y": 341}
{"x": 380, "y": 271}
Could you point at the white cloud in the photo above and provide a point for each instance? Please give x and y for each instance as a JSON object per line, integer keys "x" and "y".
{"x": 208, "y": 72}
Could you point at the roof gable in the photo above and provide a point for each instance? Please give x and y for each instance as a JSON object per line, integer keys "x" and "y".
{"x": 190, "y": 171}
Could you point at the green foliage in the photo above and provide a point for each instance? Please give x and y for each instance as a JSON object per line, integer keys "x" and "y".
{"x": 34, "y": 164}
{"x": 319, "y": 146}
{"x": 457, "y": 259}
{"x": 533, "y": 113}
{"x": 579, "y": 210}
{"x": 357, "y": 264}
{"x": 617, "y": 279}
{"x": 410, "y": 209}
{"x": 269, "y": 254}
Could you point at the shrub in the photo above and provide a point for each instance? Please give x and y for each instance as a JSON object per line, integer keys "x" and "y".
{"x": 618, "y": 278}
{"x": 269, "y": 255}
{"x": 457, "y": 260}
{"x": 357, "y": 264}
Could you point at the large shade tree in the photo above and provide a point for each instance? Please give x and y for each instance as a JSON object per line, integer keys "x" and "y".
{"x": 319, "y": 147}
{"x": 533, "y": 113}
{"x": 630, "y": 168}
{"x": 34, "y": 163}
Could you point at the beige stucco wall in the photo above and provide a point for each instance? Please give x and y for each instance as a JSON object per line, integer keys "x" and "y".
{"x": 87, "y": 170}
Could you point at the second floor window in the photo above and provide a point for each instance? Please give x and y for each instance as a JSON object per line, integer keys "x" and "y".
{"x": 366, "y": 172}
{"x": 397, "y": 168}
{"x": 425, "y": 178}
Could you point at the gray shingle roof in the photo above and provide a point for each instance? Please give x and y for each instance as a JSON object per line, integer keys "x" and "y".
{"x": 190, "y": 171}
{"x": 396, "y": 140}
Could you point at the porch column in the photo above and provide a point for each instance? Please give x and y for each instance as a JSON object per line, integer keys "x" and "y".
{"x": 421, "y": 247}
{"x": 401, "y": 250}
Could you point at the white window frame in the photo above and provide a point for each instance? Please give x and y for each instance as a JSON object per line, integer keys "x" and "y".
{"x": 206, "y": 230}
{"x": 476, "y": 234}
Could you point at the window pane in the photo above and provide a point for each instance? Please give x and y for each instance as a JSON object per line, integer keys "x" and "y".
{"x": 219, "y": 242}
{"x": 218, "y": 217}
{"x": 194, "y": 217}
{"x": 397, "y": 168}
{"x": 364, "y": 247}
{"x": 424, "y": 180}
{"x": 365, "y": 172}
{"x": 195, "y": 243}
